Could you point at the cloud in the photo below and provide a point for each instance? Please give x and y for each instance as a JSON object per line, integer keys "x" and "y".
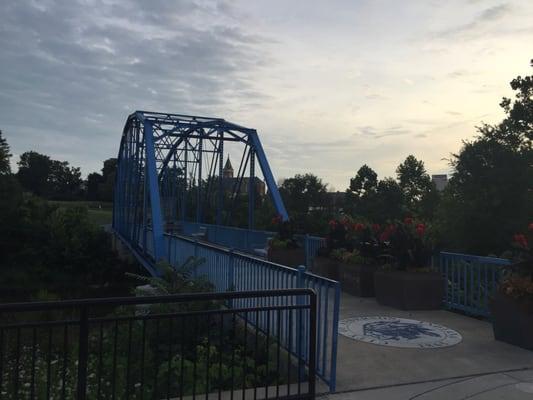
{"x": 74, "y": 70}
{"x": 378, "y": 133}
{"x": 478, "y": 24}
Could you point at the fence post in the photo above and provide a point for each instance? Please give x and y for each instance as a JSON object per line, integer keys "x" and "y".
{"x": 300, "y": 335}
{"x": 83, "y": 350}
{"x": 312, "y": 344}
{"x": 231, "y": 272}
{"x": 306, "y": 250}
{"x": 196, "y": 255}
{"x": 231, "y": 275}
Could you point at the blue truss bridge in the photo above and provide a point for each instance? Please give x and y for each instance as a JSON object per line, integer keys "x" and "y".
{"x": 177, "y": 195}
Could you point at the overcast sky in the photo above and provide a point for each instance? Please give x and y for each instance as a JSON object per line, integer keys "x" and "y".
{"x": 330, "y": 85}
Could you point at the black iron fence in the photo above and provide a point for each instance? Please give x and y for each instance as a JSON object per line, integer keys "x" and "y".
{"x": 160, "y": 347}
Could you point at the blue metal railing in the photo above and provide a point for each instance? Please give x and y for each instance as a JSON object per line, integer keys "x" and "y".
{"x": 234, "y": 270}
{"x": 470, "y": 281}
{"x": 248, "y": 240}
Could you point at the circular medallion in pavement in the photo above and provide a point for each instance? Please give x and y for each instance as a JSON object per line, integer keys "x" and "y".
{"x": 399, "y": 332}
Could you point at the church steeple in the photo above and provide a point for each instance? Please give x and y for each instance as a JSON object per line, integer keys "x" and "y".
{"x": 227, "y": 172}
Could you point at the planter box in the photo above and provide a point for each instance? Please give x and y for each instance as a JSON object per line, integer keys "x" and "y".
{"x": 326, "y": 267}
{"x": 409, "y": 290}
{"x": 512, "y": 322}
{"x": 288, "y": 257}
{"x": 357, "y": 279}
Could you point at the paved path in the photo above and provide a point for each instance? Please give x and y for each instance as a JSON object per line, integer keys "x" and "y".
{"x": 477, "y": 368}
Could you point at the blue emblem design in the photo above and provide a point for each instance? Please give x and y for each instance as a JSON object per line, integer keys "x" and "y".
{"x": 397, "y": 330}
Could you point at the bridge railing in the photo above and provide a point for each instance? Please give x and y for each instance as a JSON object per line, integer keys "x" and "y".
{"x": 234, "y": 270}
{"x": 187, "y": 346}
{"x": 247, "y": 240}
{"x": 471, "y": 281}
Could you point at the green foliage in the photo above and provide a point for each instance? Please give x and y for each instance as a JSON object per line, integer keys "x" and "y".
{"x": 491, "y": 191}
{"x": 374, "y": 200}
{"x": 57, "y": 248}
{"x": 5, "y": 156}
{"x": 174, "y": 280}
{"x": 365, "y": 182}
{"x": 353, "y": 257}
{"x": 420, "y": 194}
{"x": 33, "y": 173}
{"x": 305, "y": 196}
{"x": 49, "y": 178}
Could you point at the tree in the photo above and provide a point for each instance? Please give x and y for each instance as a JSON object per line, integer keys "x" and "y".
{"x": 64, "y": 181}
{"x": 361, "y": 194}
{"x": 107, "y": 186}
{"x": 490, "y": 194}
{"x": 34, "y": 171}
{"x": 388, "y": 202}
{"x": 365, "y": 182}
{"x": 93, "y": 181}
{"x": 305, "y": 197}
{"x": 5, "y": 156}
{"x": 413, "y": 179}
{"x": 303, "y": 193}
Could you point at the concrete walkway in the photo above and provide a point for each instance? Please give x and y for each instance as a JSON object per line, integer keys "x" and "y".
{"x": 479, "y": 367}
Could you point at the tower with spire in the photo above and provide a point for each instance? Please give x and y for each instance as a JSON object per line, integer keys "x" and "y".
{"x": 227, "y": 172}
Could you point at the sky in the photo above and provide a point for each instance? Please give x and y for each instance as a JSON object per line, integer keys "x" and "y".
{"x": 329, "y": 85}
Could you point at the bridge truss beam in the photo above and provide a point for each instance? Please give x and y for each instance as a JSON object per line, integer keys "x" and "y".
{"x": 170, "y": 168}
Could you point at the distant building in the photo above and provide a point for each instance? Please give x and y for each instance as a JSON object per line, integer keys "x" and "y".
{"x": 440, "y": 181}
{"x": 229, "y": 182}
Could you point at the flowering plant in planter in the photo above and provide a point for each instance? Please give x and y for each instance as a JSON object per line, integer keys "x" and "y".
{"x": 283, "y": 248}
{"x": 366, "y": 239}
{"x": 284, "y": 238}
{"x": 407, "y": 282}
{"x": 512, "y": 305}
{"x": 518, "y": 283}
{"x": 339, "y": 234}
{"x": 410, "y": 245}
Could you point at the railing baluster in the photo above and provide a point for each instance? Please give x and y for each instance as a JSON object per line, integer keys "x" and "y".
{"x": 83, "y": 353}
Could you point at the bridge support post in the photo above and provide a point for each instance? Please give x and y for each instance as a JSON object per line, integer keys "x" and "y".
{"x": 153, "y": 186}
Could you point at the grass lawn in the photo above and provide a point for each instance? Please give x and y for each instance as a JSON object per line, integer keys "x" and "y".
{"x": 100, "y": 213}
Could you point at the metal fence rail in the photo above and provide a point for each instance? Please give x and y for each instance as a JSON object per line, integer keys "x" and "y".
{"x": 470, "y": 281}
{"x": 160, "y": 347}
{"x": 233, "y": 270}
{"x": 247, "y": 240}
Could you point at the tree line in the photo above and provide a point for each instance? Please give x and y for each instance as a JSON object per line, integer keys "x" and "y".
{"x": 489, "y": 195}
{"x": 58, "y": 180}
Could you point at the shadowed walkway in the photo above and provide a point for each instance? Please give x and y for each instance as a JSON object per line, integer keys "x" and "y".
{"x": 403, "y": 373}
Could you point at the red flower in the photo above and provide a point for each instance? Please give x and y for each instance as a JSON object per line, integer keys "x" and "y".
{"x": 530, "y": 227}
{"x": 277, "y": 220}
{"x": 359, "y": 227}
{"x": 520, "y": 240}
{"x": 376, "y": 227}
{"x": 408, "y": 221}
{"x": 420, "y": 229}
{"x": 332, "y": 224}
{"x": 387, "y": 232}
